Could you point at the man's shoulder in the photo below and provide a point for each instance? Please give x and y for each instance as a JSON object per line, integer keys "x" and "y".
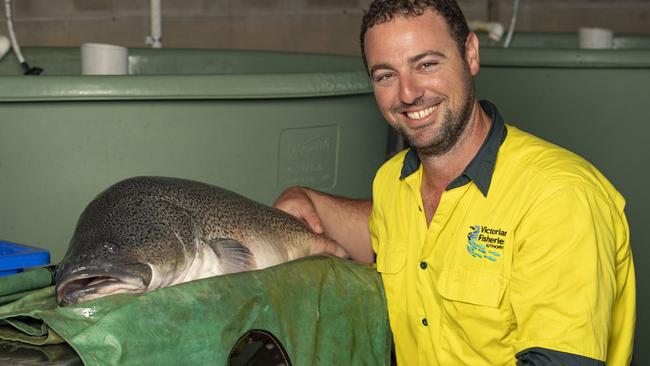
{"x": 548, "y": 164}
{"x": 535, "y": 153}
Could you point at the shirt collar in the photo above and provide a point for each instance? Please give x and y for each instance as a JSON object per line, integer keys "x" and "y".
{"x": 481, "y": 168}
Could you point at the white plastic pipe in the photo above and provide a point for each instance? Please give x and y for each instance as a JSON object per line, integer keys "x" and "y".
{"x": 155, "y": 13}
{"x": 494, "y": 29}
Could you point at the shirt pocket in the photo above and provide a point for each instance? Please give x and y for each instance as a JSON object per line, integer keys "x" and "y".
{"x": 475, "y": 320}
{"x": 472, "y": 287}
{"x": 391, "y": 257}
{"x": 391, "y": 264}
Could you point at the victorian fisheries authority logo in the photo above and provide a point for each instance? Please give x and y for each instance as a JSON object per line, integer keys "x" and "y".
{"x": 485, "y": 243}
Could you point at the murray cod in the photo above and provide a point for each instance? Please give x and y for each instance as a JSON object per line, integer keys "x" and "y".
{"x": 146, "y": 233}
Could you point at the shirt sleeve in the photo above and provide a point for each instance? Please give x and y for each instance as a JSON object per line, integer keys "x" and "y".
{"x": 543, "y": 357}
{"x": 564, "y": 282}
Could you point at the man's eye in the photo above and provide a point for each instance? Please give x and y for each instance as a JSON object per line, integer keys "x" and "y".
{"x": 384, "y": 77}
{"x": 427, "y": 65}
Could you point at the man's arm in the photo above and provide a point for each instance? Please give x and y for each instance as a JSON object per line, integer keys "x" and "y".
{"x": 572, "y": 283}
{"x": 342, "y": 219}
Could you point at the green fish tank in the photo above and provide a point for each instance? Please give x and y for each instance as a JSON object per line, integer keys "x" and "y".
{"x": 254, "y": 122}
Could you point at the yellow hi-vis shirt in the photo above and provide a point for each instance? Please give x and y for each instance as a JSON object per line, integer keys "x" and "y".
{"x": 540, "y": 259}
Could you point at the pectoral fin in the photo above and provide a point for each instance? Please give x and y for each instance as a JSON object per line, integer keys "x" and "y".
{"x": 234, "y": 256}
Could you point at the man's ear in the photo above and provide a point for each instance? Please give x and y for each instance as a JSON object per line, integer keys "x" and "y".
{"x": 472, "y": 57}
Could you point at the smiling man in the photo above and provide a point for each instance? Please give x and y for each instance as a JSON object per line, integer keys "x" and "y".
{"x": 495, "y": 247}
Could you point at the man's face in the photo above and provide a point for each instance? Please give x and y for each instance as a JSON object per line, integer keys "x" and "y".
{"x": 422, "y": 84}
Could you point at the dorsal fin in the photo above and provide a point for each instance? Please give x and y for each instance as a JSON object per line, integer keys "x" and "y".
{"x": 233, "y": 255}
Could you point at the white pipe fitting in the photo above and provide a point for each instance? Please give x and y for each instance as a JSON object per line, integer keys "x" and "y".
{"x": 155, "y": 13}
{"x": 494, "y": 29}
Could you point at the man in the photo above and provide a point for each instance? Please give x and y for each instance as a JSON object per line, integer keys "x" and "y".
{"x": 495, "y": 247}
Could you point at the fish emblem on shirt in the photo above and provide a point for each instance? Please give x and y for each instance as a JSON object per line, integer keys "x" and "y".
{"x": 483, "y": 246}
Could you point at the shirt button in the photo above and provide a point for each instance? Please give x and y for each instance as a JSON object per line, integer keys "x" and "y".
{"x": 424, "y": 321}
{"x": 423, "y": 265}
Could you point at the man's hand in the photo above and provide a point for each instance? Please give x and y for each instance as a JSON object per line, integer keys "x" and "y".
{"x": 297, "y": 202}
{"x": 342, "y": 219}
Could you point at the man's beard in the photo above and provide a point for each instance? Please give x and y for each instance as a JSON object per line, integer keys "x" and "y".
{"x": 452, "y": 127}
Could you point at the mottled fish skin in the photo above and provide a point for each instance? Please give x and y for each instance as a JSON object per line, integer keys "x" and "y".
{"x": 150, "y": 232}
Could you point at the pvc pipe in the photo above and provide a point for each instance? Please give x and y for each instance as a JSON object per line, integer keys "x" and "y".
{"x": 495, "y": 29}
{"x": 155, "y": 13}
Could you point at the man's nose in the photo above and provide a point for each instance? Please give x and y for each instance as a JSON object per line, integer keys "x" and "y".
{"x": 410, "y": 90}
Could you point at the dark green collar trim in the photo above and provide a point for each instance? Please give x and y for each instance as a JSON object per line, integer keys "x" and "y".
{"x": 481, "y": 168}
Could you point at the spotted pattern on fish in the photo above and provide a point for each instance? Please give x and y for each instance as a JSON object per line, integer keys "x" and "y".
{"x": 141, "y": 232}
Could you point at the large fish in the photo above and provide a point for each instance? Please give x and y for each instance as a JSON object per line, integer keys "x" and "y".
{"x": 151, "y": 232}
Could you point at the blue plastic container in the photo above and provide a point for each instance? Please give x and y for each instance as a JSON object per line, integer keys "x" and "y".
{"x": 15, "y": 258}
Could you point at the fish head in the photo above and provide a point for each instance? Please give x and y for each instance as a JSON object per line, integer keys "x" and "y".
{"x": 126, "y": 244}
{"x": 84, "y": 278}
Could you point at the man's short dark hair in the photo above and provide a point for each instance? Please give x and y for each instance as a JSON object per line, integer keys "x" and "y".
{"x": 382, "y": 11}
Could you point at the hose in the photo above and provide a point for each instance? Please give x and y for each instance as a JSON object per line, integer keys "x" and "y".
{"x": 14, "y": 43}
{"x": 513, "y": 22}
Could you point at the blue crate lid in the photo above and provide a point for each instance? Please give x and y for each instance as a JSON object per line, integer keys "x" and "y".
{"x": 15, "y": 256}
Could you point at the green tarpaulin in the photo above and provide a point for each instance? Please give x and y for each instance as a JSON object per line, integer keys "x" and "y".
{"x": 323, "y": 310}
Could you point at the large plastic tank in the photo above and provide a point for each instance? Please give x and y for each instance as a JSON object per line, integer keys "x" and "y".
{"x": 252, "y": 122}
{"x": 595, "y": 103}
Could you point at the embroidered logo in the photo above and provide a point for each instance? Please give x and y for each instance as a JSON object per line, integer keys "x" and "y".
{"x": 485, "y": 242}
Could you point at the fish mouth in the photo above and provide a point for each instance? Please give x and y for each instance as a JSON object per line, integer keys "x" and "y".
{"x": 86, "y": 286}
